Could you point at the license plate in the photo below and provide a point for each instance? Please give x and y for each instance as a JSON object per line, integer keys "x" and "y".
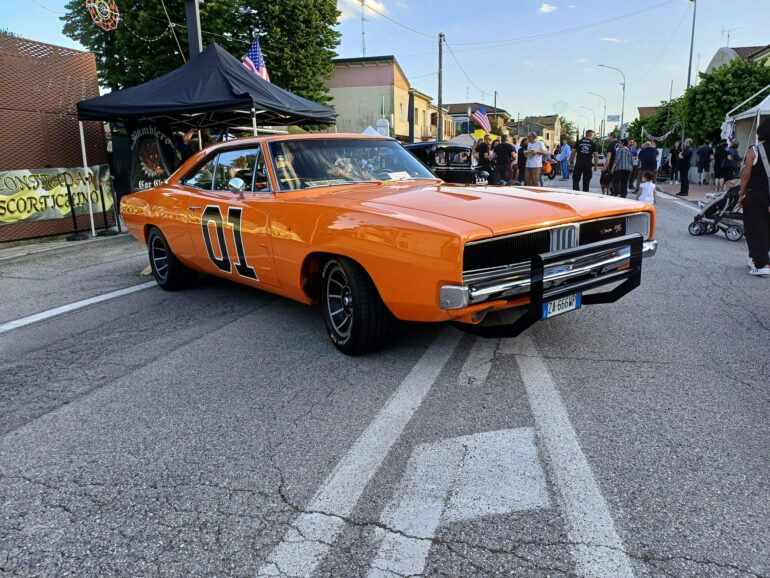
{"x": 561, "y": 305}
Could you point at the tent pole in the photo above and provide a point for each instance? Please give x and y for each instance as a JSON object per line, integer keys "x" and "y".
{"x": 254, "y": 120}
{"x": 200, "y": 140}
{"x": 85, "y": 176}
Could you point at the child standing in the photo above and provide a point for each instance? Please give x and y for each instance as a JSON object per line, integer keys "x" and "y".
{"x": 647, "y": 188}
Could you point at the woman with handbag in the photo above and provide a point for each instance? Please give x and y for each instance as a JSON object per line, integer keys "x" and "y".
{"x": 755, "y": 200}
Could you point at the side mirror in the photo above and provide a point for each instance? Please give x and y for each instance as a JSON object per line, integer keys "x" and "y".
{"x": 237, "y": 186}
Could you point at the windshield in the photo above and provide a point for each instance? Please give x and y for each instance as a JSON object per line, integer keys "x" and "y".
{"x": 305, "y": 163}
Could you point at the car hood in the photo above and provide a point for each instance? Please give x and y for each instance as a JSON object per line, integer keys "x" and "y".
{"x": 502, "y": 210}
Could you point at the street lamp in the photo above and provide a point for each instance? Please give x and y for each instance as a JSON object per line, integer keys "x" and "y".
{"x": 604, "y": 118}
{"x": 623, "y": 105}
{"x": 592, "y": 112}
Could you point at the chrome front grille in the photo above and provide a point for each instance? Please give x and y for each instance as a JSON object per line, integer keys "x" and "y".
{"x": 500, "y": 256}
{"x": 564, "y": 237}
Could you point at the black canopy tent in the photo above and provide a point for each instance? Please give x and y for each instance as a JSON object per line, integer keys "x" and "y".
{"x": 212, "y": 89}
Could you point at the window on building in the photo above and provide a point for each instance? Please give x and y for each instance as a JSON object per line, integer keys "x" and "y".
{"x": 401, "y": 111}
{"x": 416, "y": 116}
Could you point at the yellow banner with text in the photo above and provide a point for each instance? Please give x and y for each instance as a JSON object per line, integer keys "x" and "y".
{"x": 41, "y": 194}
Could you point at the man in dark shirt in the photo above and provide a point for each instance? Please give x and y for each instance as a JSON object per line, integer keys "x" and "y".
{"x": 704, "y": 154}
{"x": 685, "y": 158}
{"x": 648, "y": 160}
{"x": 583, "y": 157}
{"x": 504, "y": 154}
{"x": 483, "y": 151}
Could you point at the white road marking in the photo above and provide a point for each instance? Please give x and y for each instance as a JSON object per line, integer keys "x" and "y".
{"x": 598, "y": 552}
{"x": 678, "y": 201}
{"x": 307, "y": 542}
{"x": 476, "y": 367}
{"x": 456, "y": 479}
{"x": 43, "y": 315}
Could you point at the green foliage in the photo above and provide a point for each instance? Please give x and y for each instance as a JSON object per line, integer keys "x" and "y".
{"x": 658, "y": 123}
{"x": 704, "y": 106}
{"x": 568, "y": 130}
{"x": 7, "y": 32}
{"x": 297, "y": 38}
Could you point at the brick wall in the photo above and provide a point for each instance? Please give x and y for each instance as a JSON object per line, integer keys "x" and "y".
{"x": 40, "y": 84}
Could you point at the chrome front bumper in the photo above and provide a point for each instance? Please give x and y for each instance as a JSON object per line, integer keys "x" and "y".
{"x": 599, "y": 263}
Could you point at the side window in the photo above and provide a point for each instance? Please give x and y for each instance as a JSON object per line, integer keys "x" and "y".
{"x": 261, "y": 182}
{"x": 203, "y": 177}
{"x": 237, "y": 163}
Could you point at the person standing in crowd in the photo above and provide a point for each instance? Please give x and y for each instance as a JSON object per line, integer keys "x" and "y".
{"x": 609, "y": 158}
{"x": 732, "y": 161}
{"x": 534, "y": 165}
{"x": 720, "y": 155}
{"x": 504, "y": 155}
{"x": 522, "y": 160}
{"x": 703, "y": 157}
{"x": 584, "y": 158}
{"x": 564, "y": 159}
{"x": 648, "y": 162}
{"x": 755, "y": 200}
{"x": 483, "y": 150}
{"x": 516, "y": 157}
{"x": 673, "y": 162}
{"x": 621, "y": 169}
{"x": 634, "y": 162}
{"x": 685, "y": 160}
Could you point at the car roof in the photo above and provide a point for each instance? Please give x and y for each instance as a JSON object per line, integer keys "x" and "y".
{"x": 255, "y": 140}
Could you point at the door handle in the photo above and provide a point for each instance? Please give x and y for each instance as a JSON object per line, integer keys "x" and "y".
{"x": 193, "y": 208}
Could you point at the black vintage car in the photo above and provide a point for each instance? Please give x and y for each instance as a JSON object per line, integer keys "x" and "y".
{"x": 448, "y": 161}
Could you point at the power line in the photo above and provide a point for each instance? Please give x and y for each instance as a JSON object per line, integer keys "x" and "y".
{"x": 171, "y": 26}
{"x": 564, "y": 30}
{"x": 397, "y": 23}
{"x": 460, "y": 66}
{"x": 662, "y": 52}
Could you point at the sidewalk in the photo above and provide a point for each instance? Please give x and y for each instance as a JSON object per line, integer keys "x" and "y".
{"x": 697, "y": 192}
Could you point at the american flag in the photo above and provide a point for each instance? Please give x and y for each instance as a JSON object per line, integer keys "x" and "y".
{"x": 255, "y": 62}
{"x": 481, "y": 118}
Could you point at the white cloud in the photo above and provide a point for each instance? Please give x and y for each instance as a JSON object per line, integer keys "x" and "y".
{"x": 581, "y": 60}
{"x": 532, "y": 64}
{"x": 613, "y": 40}
{"x": 352, "y": 9}
{"x": 571, "y": 6}
{"x": 545, "y": 8}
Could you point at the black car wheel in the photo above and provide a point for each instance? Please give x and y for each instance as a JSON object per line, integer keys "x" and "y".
{"x": 355, "y": 316}
{"x": 168, "y": 271}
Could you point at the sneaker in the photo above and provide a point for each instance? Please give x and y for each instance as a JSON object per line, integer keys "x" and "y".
{"x": 763, "y": 272}
{"x": 750, "y": 264}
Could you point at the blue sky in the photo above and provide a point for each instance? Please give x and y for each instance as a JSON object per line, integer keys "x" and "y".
{"x": 648, "y": 39}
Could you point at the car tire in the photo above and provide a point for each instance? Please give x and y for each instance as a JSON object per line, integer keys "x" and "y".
{"x": 169, "y": 272}
{"x": 356, "y": 319}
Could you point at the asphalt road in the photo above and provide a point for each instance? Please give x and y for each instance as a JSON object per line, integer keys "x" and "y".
{"x": 217, "y": 432}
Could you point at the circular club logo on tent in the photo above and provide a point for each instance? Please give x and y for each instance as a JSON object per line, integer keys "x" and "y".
{"x": 104, "y": 13}
{"x": 149, "y": 157}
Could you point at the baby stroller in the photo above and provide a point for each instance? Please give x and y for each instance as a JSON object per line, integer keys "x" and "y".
{"x": 720, "y": 213}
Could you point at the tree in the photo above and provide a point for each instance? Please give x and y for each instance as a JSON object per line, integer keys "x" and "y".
{"x": 704, "y": 106}
{"x": 568, "y": 130}
{"x": 7, "y": 32}
{"x": 297, "y": 38}
{"x": 658, "y": 123}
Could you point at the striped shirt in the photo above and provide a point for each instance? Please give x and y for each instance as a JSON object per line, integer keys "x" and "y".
{"x": 622, "y": 159}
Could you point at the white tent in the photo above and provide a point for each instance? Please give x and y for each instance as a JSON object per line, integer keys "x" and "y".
{"x": 370, "y": 130}
{"x": 747, "y": 121}
{"x": 465, "y": 140}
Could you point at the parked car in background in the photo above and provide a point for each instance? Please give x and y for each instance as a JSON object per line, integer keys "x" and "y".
{"x": 450, "y": 162}
{"x": 602, "y": 158}
{"x": 359, "y": 226}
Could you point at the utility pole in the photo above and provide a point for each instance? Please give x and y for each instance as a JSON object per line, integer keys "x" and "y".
{"x": 440, "y": 116}
{"x": 494, "y": 106}
{"x": 363, "y": 29}
{"x": 689, "y": 67}
{"x": 193, "y": 16}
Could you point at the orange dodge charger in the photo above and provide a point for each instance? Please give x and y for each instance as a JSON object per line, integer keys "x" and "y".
{"x": 360, "y": 226}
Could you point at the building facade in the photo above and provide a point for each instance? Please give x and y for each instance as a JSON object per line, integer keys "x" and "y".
{"x": 367, "y": 89}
